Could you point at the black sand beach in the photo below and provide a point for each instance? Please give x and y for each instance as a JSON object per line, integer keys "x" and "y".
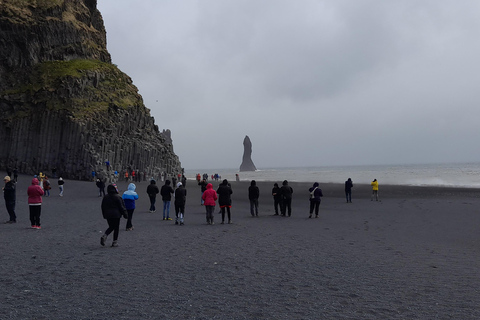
{"x": 413, "y": 255}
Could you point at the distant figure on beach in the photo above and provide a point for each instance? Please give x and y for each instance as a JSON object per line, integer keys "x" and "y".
{"x": 315, "y": 199}
{"x": 9, "y": 194}
{"x": 224, "y": 192}
{"x": 348, "y": 190}
{"x": 60, "y": 186}
{"x": 286, "y": 192}
{"x": 152, "y": 191}
{"x": 374, "y": 185}
{"x": 277, "y": 198}
{"x": 209, "y": 197}
{"x": 35, "y": 194}
{"x": 253, "y": 195}
{"x": 166, "y": 193}
{"x": 41, "y": 176}
{"x": 126, "y": 177}
{"x": 180, "y": 200}
{"x": 198, "y": 177}
{"x": 203, "y": 187}
{"x": 184, "y": 180}
{"x": 129, "y": 198}
{"x": 113, "y": 208}
{"x": 101, "y": 188}
{"x": 46, "y": 186}
{"x": 237, "y": 177}
{"x": 15, "y": 175}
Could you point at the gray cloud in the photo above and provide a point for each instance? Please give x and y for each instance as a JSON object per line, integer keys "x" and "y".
{"x": 311, "y": 82}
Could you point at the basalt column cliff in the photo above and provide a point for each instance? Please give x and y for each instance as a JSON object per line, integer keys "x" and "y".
{"x": 63, "y": 104}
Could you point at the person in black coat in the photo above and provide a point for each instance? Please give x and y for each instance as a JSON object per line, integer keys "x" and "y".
{"x": 224, "y": 192}
{"x": 315, "y": 199}
{"x": 152, "y": 191}
{"x": 286, "y": 192}
{"x": 166, "y": 191}
{"x": 113, "y": 208}
{"x": 180, "y": 200}
{"x": 277, "y": 198}
{"x": 9, "y": 194}
{"x": 253, "y": 195}
{"x": 348, "y": 190}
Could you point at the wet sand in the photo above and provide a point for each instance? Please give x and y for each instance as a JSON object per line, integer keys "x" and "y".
{"x": 413, "y": 255}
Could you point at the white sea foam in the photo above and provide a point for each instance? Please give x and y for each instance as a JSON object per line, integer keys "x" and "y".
{"x": 452, "y": 175}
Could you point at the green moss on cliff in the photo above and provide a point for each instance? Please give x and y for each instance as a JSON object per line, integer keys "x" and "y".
{"x": 82, "y": 87}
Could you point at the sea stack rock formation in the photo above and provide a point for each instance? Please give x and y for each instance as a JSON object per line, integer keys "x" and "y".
{"x": 247, "y": 163}
{"x": 63, "y": 104}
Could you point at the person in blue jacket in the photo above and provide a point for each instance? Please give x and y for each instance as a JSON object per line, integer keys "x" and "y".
{"x": 129, "y": 198}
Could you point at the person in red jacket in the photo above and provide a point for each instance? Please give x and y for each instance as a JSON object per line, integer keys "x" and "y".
{"x": 35, "y": 194}
{"x": 209, "y": 197}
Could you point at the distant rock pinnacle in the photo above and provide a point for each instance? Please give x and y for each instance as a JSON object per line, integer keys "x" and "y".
{"x": 247, "y": 163}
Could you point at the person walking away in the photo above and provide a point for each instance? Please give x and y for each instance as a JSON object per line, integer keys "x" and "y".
{"x": 15, "y": 175}
{"x": 203, "y": 187}
{"x": 286, "y": 192}
{"x": 9, "y": 194}
{"x": 152, "y": 191}
{"x": 224, "y": 192}
{"x": 374, "y": 185}
{"x": 209, "y": 197}
{"x": 113, "y": 208}
{"x": 253, "y": 195}
{"x": 35, "y": 194}
{"x": 315, "y": 199}
{"x": 129, "y": 198}
{"x": 166, "y": 193}
{"x": 101, "y": 188}
{"x": 277, "y": 198}
{"x": 348, "y": 190}
{"x": 60, "y": 185}
{"x": 46, "y": 186}
{"x": 180, "y": 200}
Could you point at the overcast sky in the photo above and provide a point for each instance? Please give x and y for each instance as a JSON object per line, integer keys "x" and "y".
{"x": 311, "y": 82}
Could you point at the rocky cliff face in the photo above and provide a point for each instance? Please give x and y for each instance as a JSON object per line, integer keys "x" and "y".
{"x": 63, "y": 104}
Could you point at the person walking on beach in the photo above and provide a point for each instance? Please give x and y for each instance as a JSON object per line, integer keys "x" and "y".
{"x": 101, "y": 188}
{"x": 129, "y": 198}
{"x": 203, "y": 187}
{"x": 180, "y": 200}
{"x": 224, "y": 192}
{"x": 209, "y": 197}
{"x": 286, "y": 192}
{"x": 9, "y": 194}
{"x": 166, "y": 193}
{"x": 348, "y": 190}
{"x": 60, "y": 185}
{"x": 152, "y": 191}
{"x": 277, "y": 197}
{"x": 113, "y": 208}
{"x": 253, "y": 195}
{"x": 374, "y": 185}
{"x": 315, "y": 199}
{"x": 35, "y": 194}
{"x": 46, "y": 186}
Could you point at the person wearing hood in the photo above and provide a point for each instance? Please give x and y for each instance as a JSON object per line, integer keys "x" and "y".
{"x": 286, "y": 192}
{"x": 180, "y": 199}
{"x": 374, "y": 185}
{"x": 113, "y": 208}
{"x": 253, "y": 195}
{"x": 315, "y": 199}
{"x": 209, "y": 197}
{"x": 224, "y": 192}
{"x": 152, "y": 191}
{"x": 129, "y": 198}
{"x": 166, "y": 193}
{"x": 10, "y": 199}
{"x": 35, "y": 193}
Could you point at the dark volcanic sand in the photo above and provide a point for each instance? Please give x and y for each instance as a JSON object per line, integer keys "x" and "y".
{"x": 414, "y": 255}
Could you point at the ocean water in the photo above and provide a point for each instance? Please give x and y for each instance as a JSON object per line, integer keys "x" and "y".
{"x": 443, "y": 175}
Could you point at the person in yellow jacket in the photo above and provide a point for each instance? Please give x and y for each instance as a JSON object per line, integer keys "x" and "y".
{"x": 374, "y": 185}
